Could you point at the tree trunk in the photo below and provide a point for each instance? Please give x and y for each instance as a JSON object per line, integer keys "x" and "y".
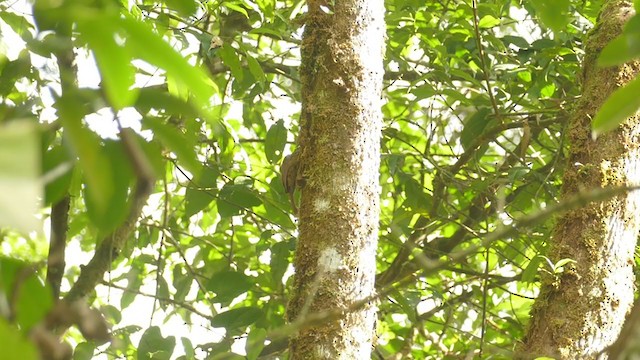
{"x": 339, "y": 154}
{"x": 580, "y": 312}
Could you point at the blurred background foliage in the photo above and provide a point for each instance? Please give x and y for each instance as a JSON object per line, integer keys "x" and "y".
{"x": 476, "y": 100}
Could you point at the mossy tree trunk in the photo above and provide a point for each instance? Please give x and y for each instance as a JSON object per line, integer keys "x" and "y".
{"x": 580, "y": 312}
{"x": 339, "y": 152}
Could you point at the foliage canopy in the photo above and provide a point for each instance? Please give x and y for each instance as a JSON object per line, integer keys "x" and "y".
{"x": 476, "y": 96}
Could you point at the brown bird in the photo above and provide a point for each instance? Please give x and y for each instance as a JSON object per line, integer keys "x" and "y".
{"x": 289, "y": 175}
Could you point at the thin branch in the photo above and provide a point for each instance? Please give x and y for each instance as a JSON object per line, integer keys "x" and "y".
{"x": 58, "y": 244}
{"x": 179, "y": 304}
{"x": 68, "y": 73}
{"x": 483, "y": 61}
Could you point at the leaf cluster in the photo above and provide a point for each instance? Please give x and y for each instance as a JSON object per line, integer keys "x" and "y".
{"x": 476, "y": 101}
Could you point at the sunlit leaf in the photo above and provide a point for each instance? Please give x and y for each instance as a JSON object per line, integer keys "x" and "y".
{"x": 234, "y": 198}
{"x": 229, "y": 284}
{"x": 150, "y": 47}
{"x": 12, "y": 71}
{"x": 620, "y": 105}
{"x": 255, "y": 343}
{"x": 231, "y": 59}
{"x": 153, "y": 346}
{"x": 237, "y": 318}
{"x": 160, "y": 99}
{"x": 275, "y": 141}
{"x": 114, "y": 61}
{"x": 14, "y": 344}
{"x": 202, "y": 191}
{"x": 111, "y": 313}
{"x": 84, "y": 351}
{"x": 189, "y": 351}
{"x": 177, "y": 142}
{"x": 121, "y": 178}
{"x": 280, "y": 253}
{"x": 553, "y": 13}
{"x": 21, "y": 188}
{"x": 31, "y": 299}
{"x": 530, "y": 272}
{"x": 184, "y": 7}
{"x": 134, "y": 281}
{"x": 57, "y": 166}
{"x": 475, "y": 126}
{"x": 488, "y": 21}
{"x": 256, "y": 69}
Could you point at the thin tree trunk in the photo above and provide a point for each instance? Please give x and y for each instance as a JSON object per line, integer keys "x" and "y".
{"x": 580, "y": 312}
{"x": 339, "y": 154}
{"x": 60, "y": 210}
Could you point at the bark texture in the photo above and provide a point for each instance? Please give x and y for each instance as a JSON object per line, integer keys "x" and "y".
{"x": 580, "y": 312}
{"x": 339, "y": 150}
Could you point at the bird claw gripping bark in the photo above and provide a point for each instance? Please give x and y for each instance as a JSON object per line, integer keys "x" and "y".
{"x": 289, "y": 174}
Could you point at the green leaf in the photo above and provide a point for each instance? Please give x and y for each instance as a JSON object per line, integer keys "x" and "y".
{"x": 150, "y": 47}
{"x": 548, "y": 90}
{"x": 234, "y": 198}
{"x": 267, "y": 7}
{"x": 558, "y": 266}
{"x": 276, "y": 202}
{"x": 134, "y": 281}
{"x": 530, "y": 272}
{"x": 84, "y": 351}
{"x": 57, "y": 166}
{"x": 237, "y": 318}
{"x": 14, "y": 345}
{"x": 524, "y": 76}
{"x": 34, "y": 299}
{"x": 623, "y": 48}
{"x": 18, "y": 23}
{"x": 416, "y": 197}
{"x": 227, "y": 285}
{"x": 21, "y": 189}
{"x": 275, "y": 141}
{"x": 13, "y": 71}
{"x": 255, "y": 343}
{"x": 553, "y": 13}
{"x": 121, "y": 178}
{"x": 231, "y": 59}
{"x": 181, "y": 282}
{"x": 95, "y": 165}
{"x": 202, "y": 191}
{"x": 185, "y": 8}
{"x": 279, "y": 261}
{"x": 621, "y": 104}
{"x": 114, "y": 61}
{"x": 474, "y": 127}
{"x": 488, "y": 21}
{"x": 256, "y": 69}
{"x": 189, "y": 351}
{"x": 159, "y": 99}
{"x": 176, "y": 141}
{"x": 518, "y": 41}
{"x": 111, "y": 313}
{"x": 155, "y": 347}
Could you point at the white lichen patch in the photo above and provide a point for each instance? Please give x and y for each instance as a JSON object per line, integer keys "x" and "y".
{"x": 321, "y": 205}
{"x": 330, "y": 261}
{"x": 362, "y": 343}
{"x": 323, "y": 352}
{"x": 341, "y": 183}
